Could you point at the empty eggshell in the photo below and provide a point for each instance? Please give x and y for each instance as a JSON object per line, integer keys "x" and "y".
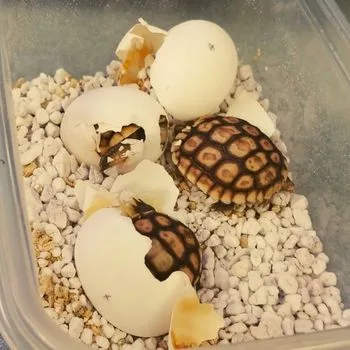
{"x": 110, "y": 109}
{"x": 109, "y": 256}
{"x": 139, "y": 42}
{"x": 244, "y": 106}
{"x": 193, "y": 323}
{"x": 194, "y": 69}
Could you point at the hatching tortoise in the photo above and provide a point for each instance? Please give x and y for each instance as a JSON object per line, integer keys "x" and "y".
{"x": 113, "y": 148}
{"x": 174, "y": 246}
{"x": 230, "y": 160}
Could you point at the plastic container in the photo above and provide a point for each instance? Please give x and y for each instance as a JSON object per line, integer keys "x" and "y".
{"x": 304, "y": 70}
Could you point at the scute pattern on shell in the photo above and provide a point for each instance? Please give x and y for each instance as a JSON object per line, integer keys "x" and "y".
{"x": 230, "y": 160}
{"x": 174, "y": 246}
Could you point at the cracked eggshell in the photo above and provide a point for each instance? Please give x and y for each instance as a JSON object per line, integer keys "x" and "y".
{"x": 111, "y": 108}
{"x": 139, "y": 42}
{"x": 244, "y": 106}
{"x": 109, "y": 256}
{"x": 193, "y": 323}
{"x": 194, "y": 70}
{"x": 151, "y": 183}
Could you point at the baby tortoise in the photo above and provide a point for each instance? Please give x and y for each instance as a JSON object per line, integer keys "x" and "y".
{"x": 115, "y": 149}
{"x": 230, "y": 160}
{"x": 174, "y": 246}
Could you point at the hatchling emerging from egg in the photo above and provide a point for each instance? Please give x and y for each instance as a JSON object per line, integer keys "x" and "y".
{"x": 230, "y": 160}
{"x": 174, "y": 246}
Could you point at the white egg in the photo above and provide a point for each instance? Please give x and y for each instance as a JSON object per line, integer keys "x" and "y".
{"x": 194, "y": 69}
{"x": 109, "y": 256}
{"x": 110, "y": 109}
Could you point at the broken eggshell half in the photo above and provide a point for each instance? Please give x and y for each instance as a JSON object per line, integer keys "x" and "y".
{"x": 246, "y": 107}
{"x": 140, "y": 43}
{"x": 149, "y": 182}
{"x": 110, "y": 261}
{"x": 114, "y": 128}
{"x": 193, "y": 323}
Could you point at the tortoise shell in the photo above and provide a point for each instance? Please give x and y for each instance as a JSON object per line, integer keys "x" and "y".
{"x": 174, "y": 246}
{"x": 230, "y": 160}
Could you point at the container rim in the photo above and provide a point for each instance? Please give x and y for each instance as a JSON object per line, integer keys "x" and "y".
{"x": 27, "y": 326}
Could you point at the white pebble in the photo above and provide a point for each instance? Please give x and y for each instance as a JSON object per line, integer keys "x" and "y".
{"x": 294, "y": 300}
{"x": 287, "y": 283}
{"x": 58, "y": 184}
{"x": 208, "y": 258}
{"x": 151, "y": 343}
{"x": 291, "y": 242}
{"x": 207, "y": 279}
{"x": 235, "y": 308}
{"x": 230, "y": 241}
{"x": 251, "y": 227}
{"x": 265, "y": 268}
{"x": 119, "y": 335}
{"x": 303, "y": 326}
{"x": 318, "y": 266}
{"x": 32, "y": 153}
{"x": 259, "y": 297}
{"x": 68, "y": 270}
{"x": 302, "y": 218}
{"x": 318, "y": 325}
{"x": 238, "y": 327}
{"x": 288, "y": 326}
{"x": 270, "y": 326}
{"x": 210, "y": 224}
{"x": 221, "y": 277}
{"x": 254, "y": 280}
{"x": 42, "y": 117}
{"x": 108, "y": 330}
{"x": 56, "y": 214}
{"x": 61, "y": 162}
{"x": 304, "y": 257}
{"x": 255, "y": 257}
{"x": 245, "y": 72}
{"x": 310, "y": 309}
{"x": 346, "y": 314}
{"x": 328, "y": 279}
{"x": 315, "y": 287}
{"x": 243, "y": 288}
{"x": 213, "y": 241}
{"x": 306, "y": 241}
{"x": 52, "y": 130}
{"x": 102, "y": 342}
{"x": 241, "y": 268}
{"x": 76, "y": 325}
{"x": 86, "y": 336}
{"x": 56, "y": 117}
{"x": 298, "y": 201}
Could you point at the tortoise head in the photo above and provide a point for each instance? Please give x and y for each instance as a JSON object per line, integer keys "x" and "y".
{"x": 135, "y": 207}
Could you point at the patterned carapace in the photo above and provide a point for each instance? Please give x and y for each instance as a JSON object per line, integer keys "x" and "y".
{"x": 230, "y": 160}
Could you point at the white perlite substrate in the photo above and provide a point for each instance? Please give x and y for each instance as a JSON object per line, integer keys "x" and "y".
{"x": 264, "y": 268}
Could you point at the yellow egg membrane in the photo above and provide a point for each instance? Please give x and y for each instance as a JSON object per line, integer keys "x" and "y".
{"x": 193, "y": 323}
{"x": 141, "y": 41}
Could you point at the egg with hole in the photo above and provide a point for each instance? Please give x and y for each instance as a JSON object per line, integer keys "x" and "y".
{"x": 110, "y": 257}
{"x": 114, "y": 128}
{"x": 194, "y": 69}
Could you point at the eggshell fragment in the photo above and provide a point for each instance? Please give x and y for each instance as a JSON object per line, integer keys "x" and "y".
{"x": 92, "y": 198}
{"x": 244, "y": 106}
{"x": 151, "y": 183}
{"x": 194, "y": 69}
{"x": 109, "y": 256}
{"x": 139, "y": 42}
{"x": 110, "y": 108}
{"x": 193, "y": 323}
